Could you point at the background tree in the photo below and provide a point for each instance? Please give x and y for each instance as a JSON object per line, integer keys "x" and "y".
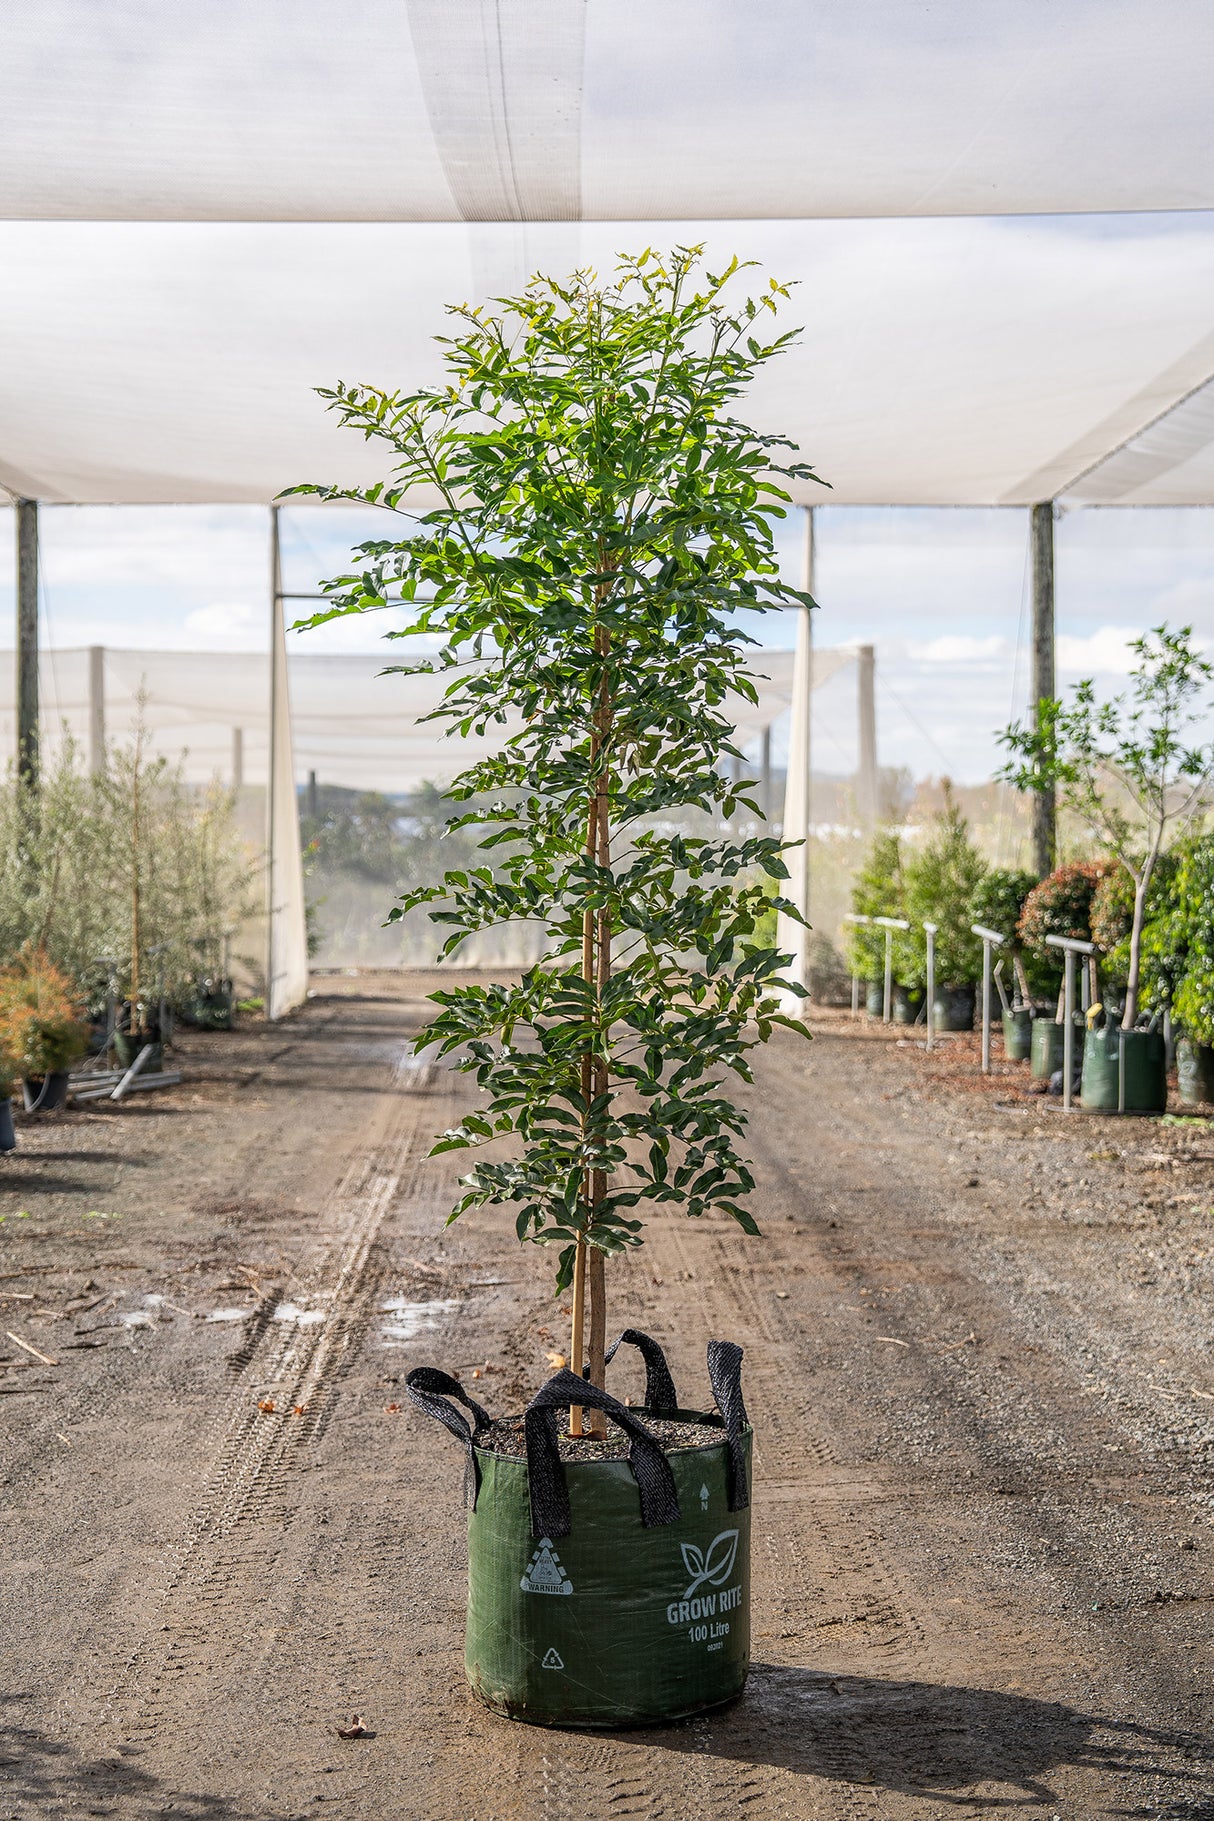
{"x": 603, "y": 519}
{"x": 1124, "y": 766}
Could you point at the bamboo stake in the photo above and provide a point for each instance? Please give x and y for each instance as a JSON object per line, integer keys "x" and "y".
{"x": 579, "y": 1316}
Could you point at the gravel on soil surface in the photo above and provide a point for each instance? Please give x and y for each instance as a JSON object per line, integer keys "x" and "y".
{"x": 506, "y": 1437}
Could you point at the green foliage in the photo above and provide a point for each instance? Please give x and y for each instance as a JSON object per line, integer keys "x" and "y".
{"x": 1178, "y": 947}
{"x": 1061, "y": 905}
{"x": 1124, "y": 766}
{"x": 70, "y": 858}
{"x": 41, "y": 1028}
{"x": 1112, "y": 924}
{"x": 999, "y": 899}
{"x": 603, "y": 519}
{"x": 941, "y": 882}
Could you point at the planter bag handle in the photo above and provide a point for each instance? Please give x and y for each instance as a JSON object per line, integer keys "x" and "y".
{"x": 549, "y": 1492}
{"x": 725, "y": 1373}
{"x": 661, "y": 1398}
{"x": 429, "y": 1389}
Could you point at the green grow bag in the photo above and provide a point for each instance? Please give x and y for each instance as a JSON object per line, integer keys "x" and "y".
{"x": 1194, "y": 1072}
{"x": 1018, "y": 1034}
{"x": 1146, "y": 1074}
{"x": 874, "y": 998}
{"x": 607, "y": 1593}
{"x": 1045, "y": 1048}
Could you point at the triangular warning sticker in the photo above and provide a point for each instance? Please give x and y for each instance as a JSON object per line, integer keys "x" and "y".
{"x": 553, "y": 1661}
{"x": 545, "y": 1574}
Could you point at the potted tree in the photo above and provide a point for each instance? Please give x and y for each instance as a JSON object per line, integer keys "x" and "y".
{"x": 42, "y": 1027}
{"x": 878, "y": 891}
{"x": 602, "y": 519}
{"x": 1127, "y": 769}
{"x": 1178, "y": 964}
{"x": 997, "y": 903}
{"x": 1060, "y": 905}
{"x": 940, "y": 886}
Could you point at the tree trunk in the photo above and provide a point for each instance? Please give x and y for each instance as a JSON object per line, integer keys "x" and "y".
{"x": 1130, "y": 1014}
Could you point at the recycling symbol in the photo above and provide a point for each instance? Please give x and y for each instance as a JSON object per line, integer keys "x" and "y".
{"x": 553, "y": 1660}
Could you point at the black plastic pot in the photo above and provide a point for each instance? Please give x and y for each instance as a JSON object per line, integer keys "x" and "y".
{"x": 46, "y": 1093}
{"x": 908, "y": 1003}
{"x": 212, "y": 1010}
{"x": 606, "y": 1593}
{"x": 1045, "y": 1048}
{"x": 8, "y": 1134}
{"x": 874, "y": 998}
{"x": 1194, "y": 1072}
{"x": 1110, "y": 1053}
{"x": 1018, "y": 1034}
{"x": 953, "y": 1008}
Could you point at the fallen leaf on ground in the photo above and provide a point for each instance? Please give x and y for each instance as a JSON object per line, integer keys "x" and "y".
{"x": 555, "y": 1360}
{"x": 266, "y": 1404}
{"x": 297, "y": 1409}
{"x": 392, "y": 1409}
{"x": 355, "y": 1730}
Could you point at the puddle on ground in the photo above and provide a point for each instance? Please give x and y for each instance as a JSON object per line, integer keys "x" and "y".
{"x": 407, "y": 1319}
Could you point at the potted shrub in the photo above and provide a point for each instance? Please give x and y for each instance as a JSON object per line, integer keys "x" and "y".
{"x": 1127, "y": 769}
{"x": 997, "y": 903}
{"x": 44, "y": 1031}
{"x": 1061, "y": 905}
{"x": 602, "y": 519}
{"x": 9, "y": 1075}
{"x": 940, "y": 884}
{"x": 878, "y": 890}
{"x": 1178, "y": 964}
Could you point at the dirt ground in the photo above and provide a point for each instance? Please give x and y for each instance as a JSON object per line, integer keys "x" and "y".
{"x": 978, "y": 1359}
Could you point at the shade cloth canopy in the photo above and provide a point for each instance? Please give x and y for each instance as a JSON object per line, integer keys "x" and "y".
{"x": 269, "y": 198}
{"x": 951, "y": 362}
{"x": 490, "y": 110}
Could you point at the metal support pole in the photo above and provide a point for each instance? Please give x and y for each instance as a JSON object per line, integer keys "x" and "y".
{"x": 1070, "y": 946}
{"x": 855, "y": 917}
{"x": 889, "y": 925}
{"x": 272, "y": 764}
{"x": 991, "y": 939}
{"x": 866, "y": 779}
{"x": 96, "y": 708}
{"x": 929, "y": 929}
{"x": 791, "y": 936}
{"x": 237, "y": 758}
{"x": 1044, "y": 805}
{"x": 1068, "y": 1028}
{"x": 27, "y": 641}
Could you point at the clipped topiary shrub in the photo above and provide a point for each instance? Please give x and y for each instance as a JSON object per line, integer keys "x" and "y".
{"x": 1061, "y": 905}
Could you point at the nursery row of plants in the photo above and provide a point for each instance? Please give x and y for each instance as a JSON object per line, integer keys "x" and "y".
{"x": 120, "y": 889}
{"x": 1142, "y": 902}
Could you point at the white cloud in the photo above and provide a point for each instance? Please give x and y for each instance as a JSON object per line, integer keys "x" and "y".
{"x": 224, "y": 620}
{"x": 956, "y": 648}
{"x": 1102, "y": 653}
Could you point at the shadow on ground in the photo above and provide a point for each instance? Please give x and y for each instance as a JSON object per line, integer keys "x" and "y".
{"x": 45, "y": 1776}
{"x": 926, "y": 1740}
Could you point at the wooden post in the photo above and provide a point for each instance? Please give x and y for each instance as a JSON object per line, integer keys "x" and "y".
{"x": 313, "y": 797}
{"x": 96, "y": 708}
{"x": 272, "y": 760}
{"x": 237, "y": 758}
{"x": 1041, "y": 520}
{"x": 27, "y": 641}
{"x": 866, "y": 778}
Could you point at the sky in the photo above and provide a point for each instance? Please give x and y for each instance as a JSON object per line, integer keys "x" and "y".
{"x": 942, "y": 594}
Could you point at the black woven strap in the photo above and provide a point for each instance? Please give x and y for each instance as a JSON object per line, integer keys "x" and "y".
{"x": 661, "y": 1398}
{"x": 549, "y": 1491}
{"x": 429, "y": 1389}
{"x": 725, "y": 1373}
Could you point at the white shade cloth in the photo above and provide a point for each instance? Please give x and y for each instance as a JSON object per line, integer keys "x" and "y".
{"x": 437, "y": 110}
